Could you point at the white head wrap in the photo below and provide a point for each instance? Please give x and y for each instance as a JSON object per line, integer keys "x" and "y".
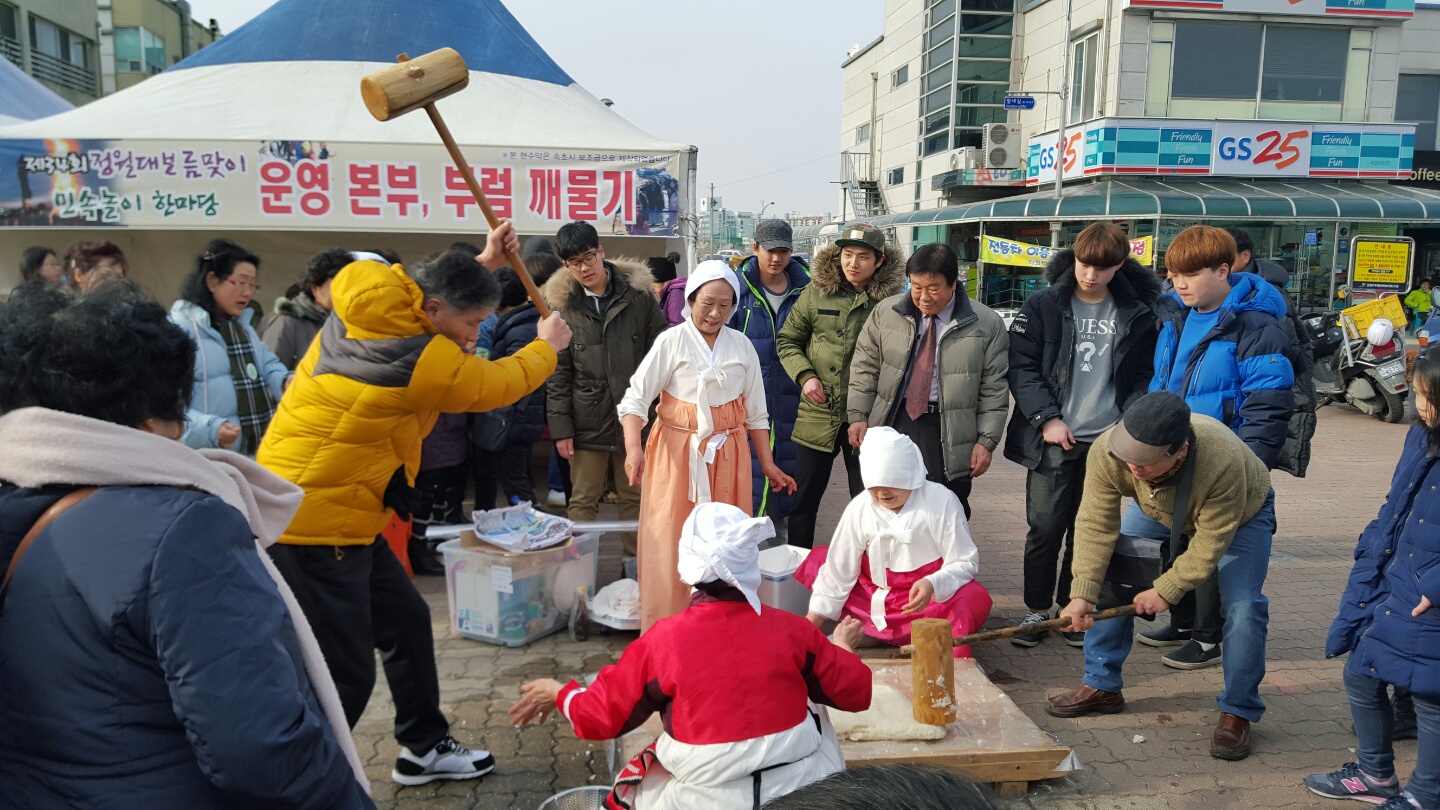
{"x": 366, "y": 256}
{"x": 889, "y": 459}
{"x": 720, "y": 542}
{"x": 706, "y": 272}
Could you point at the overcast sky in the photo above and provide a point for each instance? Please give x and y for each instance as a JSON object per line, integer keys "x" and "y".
{"x": 755, "y": 84}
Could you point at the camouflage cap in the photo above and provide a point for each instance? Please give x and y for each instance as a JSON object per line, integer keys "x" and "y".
{"x": 862, "y": 234}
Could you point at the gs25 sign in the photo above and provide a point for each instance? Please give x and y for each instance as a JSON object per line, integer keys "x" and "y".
{"x": 1258, "y": 150}
{"x": 1074, "y": 142}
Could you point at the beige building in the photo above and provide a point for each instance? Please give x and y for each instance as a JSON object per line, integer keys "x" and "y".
{"x": 139, "y": 38}
{"x": 54, "y": 41}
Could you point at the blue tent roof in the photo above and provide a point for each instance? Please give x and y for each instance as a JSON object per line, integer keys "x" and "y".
{"x": 483, "y": 31}
{"x": 24, "y": 98}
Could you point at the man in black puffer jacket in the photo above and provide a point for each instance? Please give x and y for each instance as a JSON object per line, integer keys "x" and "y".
{"x": 1080, "y": 352}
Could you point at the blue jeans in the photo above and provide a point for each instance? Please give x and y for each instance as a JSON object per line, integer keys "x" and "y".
{"x": 1374, "y": 726}
{"x": 1245, "y": 609}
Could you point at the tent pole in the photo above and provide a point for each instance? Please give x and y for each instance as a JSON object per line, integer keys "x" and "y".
{"x": 691, "y": 244}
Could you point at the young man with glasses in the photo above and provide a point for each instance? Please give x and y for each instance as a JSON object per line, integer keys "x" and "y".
{"x": 615, "y": 317}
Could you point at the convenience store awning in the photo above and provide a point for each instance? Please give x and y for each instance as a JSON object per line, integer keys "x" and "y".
{"x": 1211, "y": 199}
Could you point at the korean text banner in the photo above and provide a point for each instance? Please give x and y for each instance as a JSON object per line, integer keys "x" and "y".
{"x": 320, "y": 186}
{"x": 1381, "y": 264}
{"x": 994, "y": 250}
{"x": 1142, "y": 250}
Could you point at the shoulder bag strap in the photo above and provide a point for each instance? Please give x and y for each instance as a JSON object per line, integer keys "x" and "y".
{"x": 55, "y": 511}
{"x": 1182, "y": 505}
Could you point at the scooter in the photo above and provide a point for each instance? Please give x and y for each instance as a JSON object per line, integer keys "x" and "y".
{"x": 1368, "y": 376}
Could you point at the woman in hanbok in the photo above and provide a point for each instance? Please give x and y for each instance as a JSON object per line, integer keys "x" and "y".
{"x": 708, "y": 380}
{"x": 902, "y": 551}
{"x": 738, "y": 685}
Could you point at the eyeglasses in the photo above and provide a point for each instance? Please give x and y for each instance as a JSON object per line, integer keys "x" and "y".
{"x": 584, "y": 259}
{"x": 244, "y": 286}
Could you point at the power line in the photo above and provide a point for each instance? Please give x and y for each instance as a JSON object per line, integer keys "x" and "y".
{"x": 777, "y": 171}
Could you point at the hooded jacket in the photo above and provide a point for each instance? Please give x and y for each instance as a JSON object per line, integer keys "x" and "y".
{"x": 1042, "y": 345}
{"x": 213, "y": 402}
{"x": 1295, "y": 455}
{"x": 594, "y": 372}
{"x": 294, "y": 326}
{"x": 1240, "y": 372}
{"x": 971, "y": 358}
{"x": 819, "y": 335}
{"x": 367, "y": 393}
{"x": 1397, "y": 561}
{"x": 755, "y": 318}
{"x": 516, "y": 329}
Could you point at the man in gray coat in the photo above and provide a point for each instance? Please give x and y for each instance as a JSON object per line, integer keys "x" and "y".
{"x": 932, "y": 364}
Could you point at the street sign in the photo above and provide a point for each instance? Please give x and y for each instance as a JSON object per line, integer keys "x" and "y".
{"x": 1019, "y": 102}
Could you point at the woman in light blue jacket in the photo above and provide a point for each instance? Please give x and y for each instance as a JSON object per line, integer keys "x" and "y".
{"x": 238, "y": 380}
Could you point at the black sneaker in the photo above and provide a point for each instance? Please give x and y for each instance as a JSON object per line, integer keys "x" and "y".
{"x": 1075, "y": 638}
{"x": 447, "y": 760}
{"x": 1191, "y": 656}
{"x": 1031, "y": 640}
{"x": 1350, "y": 783}
{"x": 1166, "y": 636}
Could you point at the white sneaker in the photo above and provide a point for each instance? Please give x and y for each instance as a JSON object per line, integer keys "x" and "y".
{"x": 556, "y": 498}
{"x": 447, "y": 760}
{"x": 1032, "y": 640}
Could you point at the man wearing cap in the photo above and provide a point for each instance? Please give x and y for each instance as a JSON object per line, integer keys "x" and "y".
{"x": 816, "y": 345}
{"x": 771, "y": 281}
{"x": 1230, "y": 520}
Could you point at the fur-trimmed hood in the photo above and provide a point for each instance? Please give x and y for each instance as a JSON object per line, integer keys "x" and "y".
{"x": 1131, "y": 283}
{"x": 562, "y": 288}
{"x": 301, "y": 306}
{"x": 889, "y": 278}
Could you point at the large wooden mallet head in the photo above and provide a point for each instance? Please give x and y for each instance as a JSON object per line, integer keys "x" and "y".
{"x": 413, "y": 83}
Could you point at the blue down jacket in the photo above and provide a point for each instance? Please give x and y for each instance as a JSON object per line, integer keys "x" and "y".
{"x": 761, "y": 324}
{"x": 148, "y": 661}
{"x": 214, "y": 402}
{"x": 1396, "y": 562}
{"x": 1240, "y": 372}
{"x": 516, "y": 330}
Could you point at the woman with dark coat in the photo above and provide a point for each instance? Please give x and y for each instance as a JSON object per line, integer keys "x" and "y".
{"x": 153, "y": 657}
{"x": 1389, "y": 625}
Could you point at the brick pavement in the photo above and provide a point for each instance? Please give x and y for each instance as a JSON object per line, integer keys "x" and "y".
{"x": 1305, "y": 729}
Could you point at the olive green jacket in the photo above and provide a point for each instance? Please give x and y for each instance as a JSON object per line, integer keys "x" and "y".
{"x": 818, "y": 339}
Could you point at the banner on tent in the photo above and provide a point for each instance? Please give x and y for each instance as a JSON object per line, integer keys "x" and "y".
{"x": 305, "y": 185}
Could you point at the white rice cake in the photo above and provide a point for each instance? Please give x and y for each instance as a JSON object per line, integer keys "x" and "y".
{"x": 890, "y": 717}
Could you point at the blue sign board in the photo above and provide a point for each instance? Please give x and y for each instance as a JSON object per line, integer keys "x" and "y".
{"x": 1019, "y": 102}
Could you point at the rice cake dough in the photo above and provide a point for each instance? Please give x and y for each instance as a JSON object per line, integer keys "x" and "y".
{"x": 890, "y": 717}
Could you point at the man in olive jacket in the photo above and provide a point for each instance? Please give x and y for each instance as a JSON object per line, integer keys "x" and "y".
{"x": 931, "y": 363}
{"x": 615, "y": 317}
{"x": 816, "y": 343}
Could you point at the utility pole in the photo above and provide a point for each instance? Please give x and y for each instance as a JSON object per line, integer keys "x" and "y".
{"x": 1064, "y": 119}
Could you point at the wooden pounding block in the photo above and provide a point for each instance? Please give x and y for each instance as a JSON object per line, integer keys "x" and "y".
{"x": 413, "y": 83}
{"x": 933, "y": 671}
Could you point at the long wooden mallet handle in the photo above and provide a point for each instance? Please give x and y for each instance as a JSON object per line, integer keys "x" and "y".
{"x": 1030, "y": 630}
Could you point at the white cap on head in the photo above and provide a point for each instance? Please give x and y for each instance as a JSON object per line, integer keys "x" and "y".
{"x": 706, "y": 272}
{"x": 721, "y": 543}
{"x": 889, "y": 459}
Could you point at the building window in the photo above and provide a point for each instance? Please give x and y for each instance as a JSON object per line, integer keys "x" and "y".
{"x": 862, "y": 133}
{"x": 51, "y": 40}
{"x": 1417, "y": 101}
{"x": 900, "y": 76}
{"x": 965, "y": 70}
{"x": 1256, "y": 61}
{"x": 138, "y": 50}
{"x": 8, "y": 27}
{"x": 895, "y": 177}
{"x": 1084, "y": 76}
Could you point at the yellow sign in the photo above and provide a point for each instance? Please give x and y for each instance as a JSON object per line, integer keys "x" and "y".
{"x": 1142, "y": 250}
{"x": 994, "y": 250}
{"x": 1379, "y": 262}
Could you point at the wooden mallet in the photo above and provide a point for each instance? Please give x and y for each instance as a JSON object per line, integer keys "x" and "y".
{"x": 420, "y": 82}
{"x": 1031, "y": 630}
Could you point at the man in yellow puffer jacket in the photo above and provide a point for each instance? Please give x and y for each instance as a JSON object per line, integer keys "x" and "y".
{"x": 385, "y": 365}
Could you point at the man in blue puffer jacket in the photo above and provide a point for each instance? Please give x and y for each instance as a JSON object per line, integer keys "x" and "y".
{"x": 770, "y": 281}
{"x": 1222, "y": 348}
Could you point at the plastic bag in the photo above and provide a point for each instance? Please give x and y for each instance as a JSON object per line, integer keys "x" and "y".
{"x": 521, "y": 528}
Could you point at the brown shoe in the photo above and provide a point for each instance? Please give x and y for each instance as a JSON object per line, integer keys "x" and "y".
{"x": 1231, "y": 739}
{"x": 1083, "y": 700}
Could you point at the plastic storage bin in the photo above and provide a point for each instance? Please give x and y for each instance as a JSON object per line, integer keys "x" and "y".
{"x": 514, "y": 598}
{"x": 778, "y": 586}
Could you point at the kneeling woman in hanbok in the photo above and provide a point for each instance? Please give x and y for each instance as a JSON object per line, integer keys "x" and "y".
{"x": 901, "y": 552}
{"x": 712, "y": 409}
{"x": 737, "y": 685}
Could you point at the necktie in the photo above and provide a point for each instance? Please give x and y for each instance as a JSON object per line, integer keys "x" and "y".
{"x": 917, "y": 396}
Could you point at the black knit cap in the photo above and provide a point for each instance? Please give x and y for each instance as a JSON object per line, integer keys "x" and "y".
{"x": 1153, "y": 428}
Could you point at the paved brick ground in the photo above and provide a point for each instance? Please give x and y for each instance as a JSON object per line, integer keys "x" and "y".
{"x": 1306, "y": 728}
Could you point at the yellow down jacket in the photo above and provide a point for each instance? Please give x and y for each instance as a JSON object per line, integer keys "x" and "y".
{"x": 367, "y": 392}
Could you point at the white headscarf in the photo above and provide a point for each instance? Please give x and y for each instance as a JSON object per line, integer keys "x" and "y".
{"x": 706, "y": 272}
{"x": 889, "y": 459}
{"x": 720, "y": 542}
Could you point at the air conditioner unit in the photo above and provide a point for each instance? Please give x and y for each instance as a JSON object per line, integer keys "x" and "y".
{"x": 1002, "y": 146}
{"x": 966, "y": 158}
